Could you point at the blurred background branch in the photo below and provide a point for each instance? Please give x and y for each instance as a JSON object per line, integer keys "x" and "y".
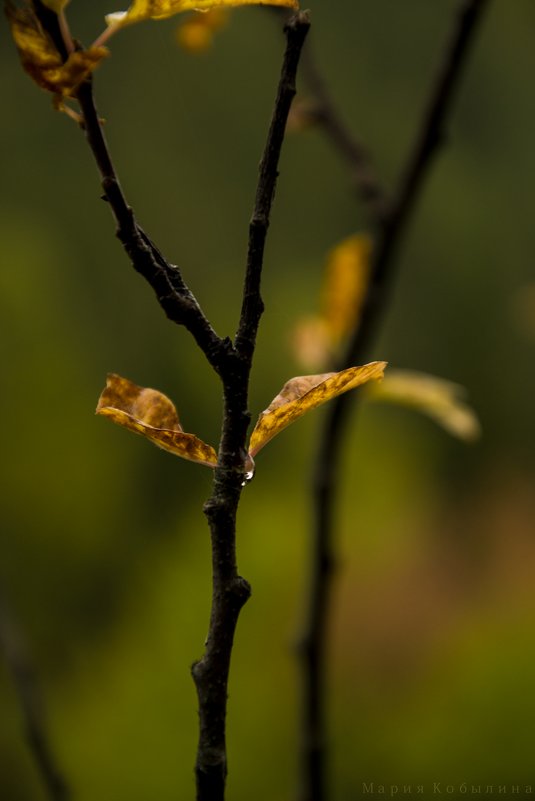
{"x": 390, "y": 232}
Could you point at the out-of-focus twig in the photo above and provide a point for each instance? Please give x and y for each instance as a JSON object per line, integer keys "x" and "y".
{"x": 20, "y": 665}
{"x": 327, "y": 467}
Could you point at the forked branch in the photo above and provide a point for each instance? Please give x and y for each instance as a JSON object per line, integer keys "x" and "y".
{"x": 232, "y": 362}
{"x": 230, "y": 591}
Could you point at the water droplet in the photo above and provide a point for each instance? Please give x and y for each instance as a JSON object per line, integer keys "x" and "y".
{"x": 248, "y": 477}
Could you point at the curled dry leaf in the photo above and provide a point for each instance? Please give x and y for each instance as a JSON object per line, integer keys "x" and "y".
{"x": 151, "y": 414}
{"x": 42, "y": 61}
{"x": 162, "y": 9}
{"x": 303, "y": 393}
{"x": 440, "y": 399}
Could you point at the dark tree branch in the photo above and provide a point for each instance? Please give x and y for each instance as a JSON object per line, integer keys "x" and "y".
{"x": 230, "y": 591}
{"x": 388, "y": 240}
{"x": 296, "y": 30}
{"x": 174, "y": 296}
{"x": 15, "y": 650}
{"x": 233, "y": 364}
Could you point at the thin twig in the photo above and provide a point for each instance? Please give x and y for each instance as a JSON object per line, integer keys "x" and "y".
{"x": 174, "y": 296}
{"x": 252, "y": 307}
{"x": 18, "y": 660}
{"x": 389, "y": 237}
{"x": 233, "y": 364}
{"x": 230, "y": 591}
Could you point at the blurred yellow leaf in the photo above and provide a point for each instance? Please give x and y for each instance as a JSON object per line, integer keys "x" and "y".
{"x": 152, "y": 414}
{"x": 162, "y": 9}
{"x": 303, "y": 393}
{"x": 345, "y": 283}
{"x": 196, "y": 34}
{"x": 311, "y": 342}
{"x": 343, "y": 291}
{"x": 440, "y": 399}
{"x": 42, "y": 61}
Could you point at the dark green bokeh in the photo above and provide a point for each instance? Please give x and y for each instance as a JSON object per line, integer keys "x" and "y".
{"x": 104, "y": 550}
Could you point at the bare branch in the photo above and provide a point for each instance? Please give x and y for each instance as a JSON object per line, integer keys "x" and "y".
{"x": 230, "y": 591}
{"x": 389, "y": 238}
{"x": 296, "y": 30}
{"x": 174, "y": 296}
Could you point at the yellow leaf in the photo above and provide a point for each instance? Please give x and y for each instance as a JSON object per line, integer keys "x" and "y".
{"x": 196, "y": 34}
{"x": 162, "y": 9}
{"x": 440, "y": 399}
{"x": 344, "y": 287}
{"x": 301, "y": 394}
{"x": 311, "y": 342}
{"x": 42, "y": 61}
{"x": 151, "y": 414}
{"x": 346, "y": 280}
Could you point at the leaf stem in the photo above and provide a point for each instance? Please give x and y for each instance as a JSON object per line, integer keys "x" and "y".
{"x": 389, "y": 237}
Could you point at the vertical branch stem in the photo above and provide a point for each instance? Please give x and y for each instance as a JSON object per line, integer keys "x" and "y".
{"x": 389, "y": 236}
{"x": 229, "y": 591}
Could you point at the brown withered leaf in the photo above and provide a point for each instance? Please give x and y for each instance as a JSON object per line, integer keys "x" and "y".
{"x": 42, "y": 61}
{"x": 303, "y": 393}
{"x": 151, "y": 414}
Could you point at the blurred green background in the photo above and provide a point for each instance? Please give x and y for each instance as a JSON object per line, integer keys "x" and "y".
{"x": 104, "y": 551}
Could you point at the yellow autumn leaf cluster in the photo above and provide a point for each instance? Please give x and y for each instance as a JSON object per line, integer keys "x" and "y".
{"x": 344, "y": 286}
{"x": 150, "y": 413}
{"x": 141, "y": 10}
{"x": 40, "y": 57}
{"x": 45, "y": 64}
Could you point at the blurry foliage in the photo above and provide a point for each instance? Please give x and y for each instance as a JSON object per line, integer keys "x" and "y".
{"x": 104, "y": 552}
